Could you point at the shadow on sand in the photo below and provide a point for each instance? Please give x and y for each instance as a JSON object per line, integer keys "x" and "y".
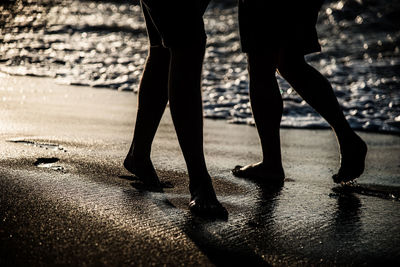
{"x": 218, "y": 249}
{"x": 254, "y": 238}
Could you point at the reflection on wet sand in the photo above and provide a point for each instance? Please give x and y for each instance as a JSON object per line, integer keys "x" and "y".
{"x": 283, "y": 224}
{"x": 381, "y": 191}
{"x": 346, "y": 226}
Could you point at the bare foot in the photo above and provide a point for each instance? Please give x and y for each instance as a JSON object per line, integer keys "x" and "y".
{"x": 258, "y": 172}
{"x": 204, "y": 202}
{"x": 144, "y": 170}
{"x": 352, "y": 160}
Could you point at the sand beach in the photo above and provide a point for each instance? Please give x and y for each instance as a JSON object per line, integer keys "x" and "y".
{"x": 66, "y": 199}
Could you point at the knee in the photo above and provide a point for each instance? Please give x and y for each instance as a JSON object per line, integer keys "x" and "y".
{"x": 261, "y": 65}
{"x": 190, "y": 52}
{"x": 290, "y": 65}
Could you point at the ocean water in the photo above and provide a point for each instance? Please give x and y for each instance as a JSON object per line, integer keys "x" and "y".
{"x": 104, "y": 44}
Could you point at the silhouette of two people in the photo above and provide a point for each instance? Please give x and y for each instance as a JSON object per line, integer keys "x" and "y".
{"x": 275, "y": 37}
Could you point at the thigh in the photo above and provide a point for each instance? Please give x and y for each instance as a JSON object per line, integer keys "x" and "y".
{"x": 262, "y": 61}
{"x": 175, "y": 22}
{"x": 152, "y": 32}
{"x": 259, "y": 24}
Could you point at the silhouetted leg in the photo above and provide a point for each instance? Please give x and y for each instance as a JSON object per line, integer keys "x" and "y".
{"x": 316, "y": 90}
{"x": 152, "y": 100}
{"x": 187, "y": 114}
{"x": 267, "y": 107}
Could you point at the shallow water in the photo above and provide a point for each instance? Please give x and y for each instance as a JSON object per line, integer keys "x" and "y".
{"x": 103, "y": 44}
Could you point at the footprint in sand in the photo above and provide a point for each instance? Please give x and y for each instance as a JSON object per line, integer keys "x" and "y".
{"x": 47, "y": 146}
{"x": 48, "y": 163}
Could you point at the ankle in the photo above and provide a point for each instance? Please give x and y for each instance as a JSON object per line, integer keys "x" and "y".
{"x": 196, "y": 180}
{"x": 198, "y": 171}
{"x": 272, "y": 164}
{"x": 349, "y": 138}
{"x": 138, "y": 155}
{"x": 345, "y": 134}
{"x": 133, "y": 159}
{"x": 202, "y": 186}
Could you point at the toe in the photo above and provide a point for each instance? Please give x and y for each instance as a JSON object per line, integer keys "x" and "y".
{"x": 237, "y": 170}
{"x": 343, "y": 178}
{"x": 336, "y": 178}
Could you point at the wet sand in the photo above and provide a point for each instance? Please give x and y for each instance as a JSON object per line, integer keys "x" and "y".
{"x": 66, "y": 199}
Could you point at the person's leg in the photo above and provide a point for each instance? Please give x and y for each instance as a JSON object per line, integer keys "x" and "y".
{"x": 152, "y": 100}
{"x": 316, "y": 90}
{"x": 183, "y": 33}
{"x": 187, "y": 114}
{"x": 267, "y": 106}
{"x": 186, "y": 38}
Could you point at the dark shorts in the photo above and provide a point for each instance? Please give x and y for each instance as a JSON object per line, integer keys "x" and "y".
{"x": 279, "y": 24}
{"x": 174, "y": 23}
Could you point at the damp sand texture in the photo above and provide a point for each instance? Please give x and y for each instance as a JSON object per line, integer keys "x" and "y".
{"x": 92, "y": 212}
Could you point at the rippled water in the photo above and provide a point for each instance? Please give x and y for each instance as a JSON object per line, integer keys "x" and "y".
{"x": 103, "y": 44}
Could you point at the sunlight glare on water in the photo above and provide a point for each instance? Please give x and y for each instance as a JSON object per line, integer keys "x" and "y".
{"x": 104, "y": 44}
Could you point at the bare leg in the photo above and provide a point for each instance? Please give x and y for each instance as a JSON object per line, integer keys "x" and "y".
{"x": 317, "y": 91}
{"x": 186, "y": 110}
{"x": 267, "y": 107}
{"x": 152, "y": 100}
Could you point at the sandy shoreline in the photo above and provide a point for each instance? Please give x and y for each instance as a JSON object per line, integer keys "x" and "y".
{"x": 104, "y": 44}
{"x": 87, "y": 132}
